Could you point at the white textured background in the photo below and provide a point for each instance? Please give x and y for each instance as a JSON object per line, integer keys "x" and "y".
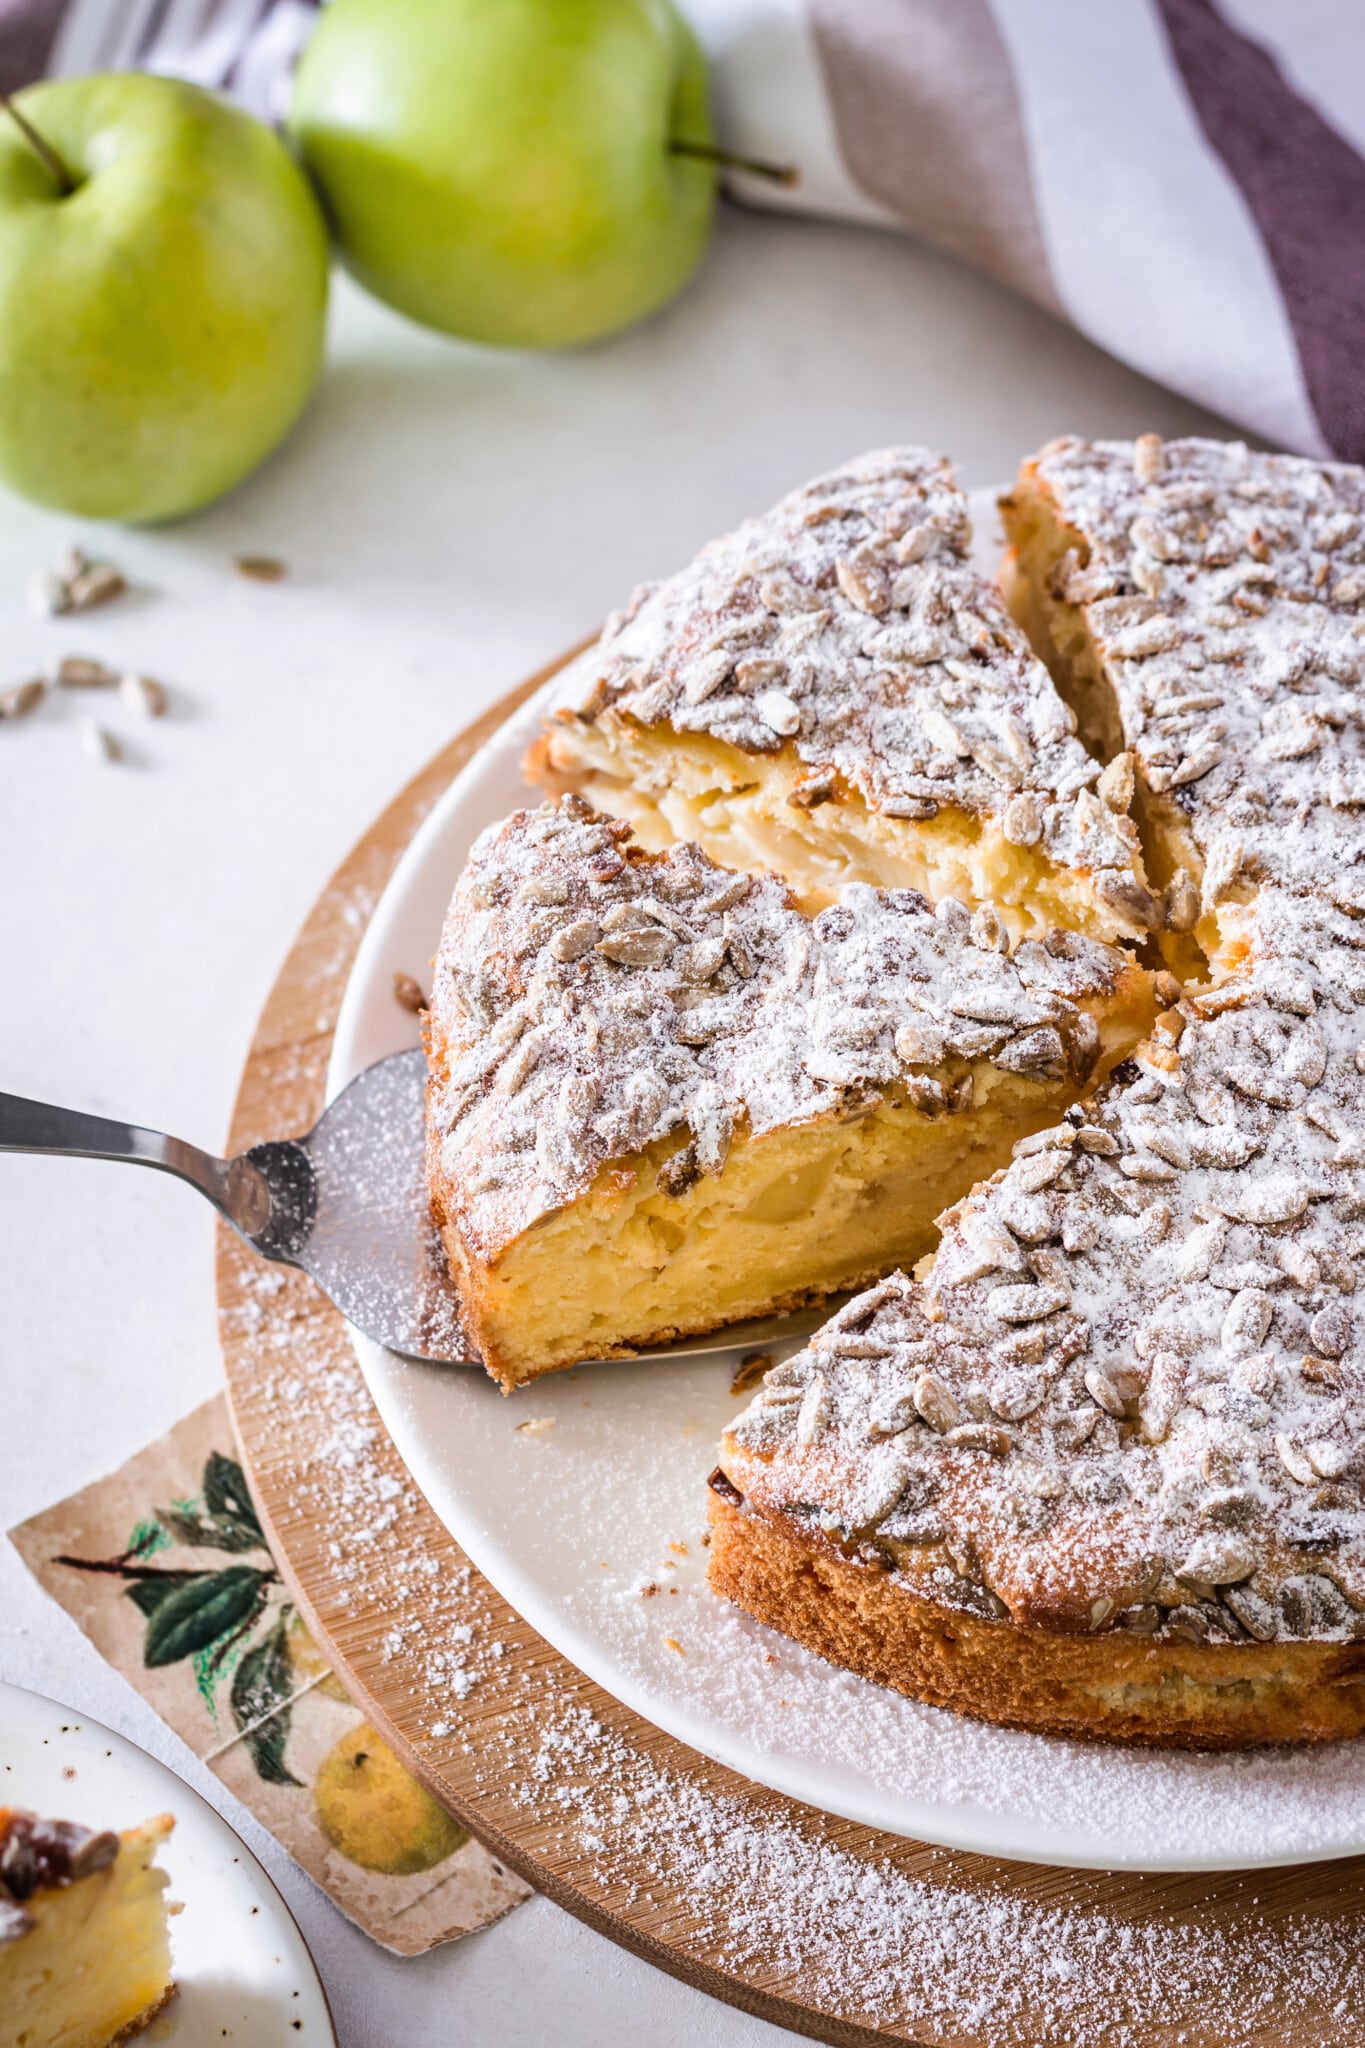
{"x": 450, "y": 519}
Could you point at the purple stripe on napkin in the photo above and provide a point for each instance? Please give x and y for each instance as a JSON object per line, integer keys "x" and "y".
{"x": 1305, "y": 187}
{"x": 927, "y": 115}
{"x": 28, "y": 29}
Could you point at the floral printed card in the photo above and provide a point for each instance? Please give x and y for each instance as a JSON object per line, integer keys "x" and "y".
{"x": 166, "y": 1569}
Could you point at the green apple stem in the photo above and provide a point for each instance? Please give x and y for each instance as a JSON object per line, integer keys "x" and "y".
{"x": 707, "y": 152}
{"x": 41, "y": 148}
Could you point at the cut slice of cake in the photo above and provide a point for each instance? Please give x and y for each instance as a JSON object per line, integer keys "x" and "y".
{"x": 662, "y": 1099}
{"x": 85, "y": 1956}
{"x": 1101, "y": 1472}
{"x": 833, "y": 694}
{"x": 1202, "y": 608}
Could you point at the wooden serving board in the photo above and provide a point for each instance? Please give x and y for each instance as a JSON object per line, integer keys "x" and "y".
{"x": 814, "y": 1923}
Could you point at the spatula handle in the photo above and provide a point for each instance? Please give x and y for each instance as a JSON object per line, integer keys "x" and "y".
{"x": 235, "y": 1188}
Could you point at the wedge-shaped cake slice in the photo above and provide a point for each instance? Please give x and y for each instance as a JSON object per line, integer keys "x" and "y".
{"x": 833, "y": 694}
{"x": 662, "y": 1099}
{"x": 1101, "y": 1472}
{"x": 85, "y": 1956}
{"x": 1202, "y": 608}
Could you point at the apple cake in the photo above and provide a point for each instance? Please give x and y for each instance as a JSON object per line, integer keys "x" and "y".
{"x": 84, "y": 1950}
{"x": 833, "y": 694}
{"x": 1099, "y": 1471}
{"x": 663, "y": 1099}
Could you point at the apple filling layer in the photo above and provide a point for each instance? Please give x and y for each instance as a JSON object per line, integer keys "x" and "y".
{"x": 766, "y": 812}
{"x": 795, "y": 1215}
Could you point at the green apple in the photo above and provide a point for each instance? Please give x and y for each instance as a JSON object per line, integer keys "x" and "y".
{"x": 502, "y": 169}
{"x": 161, "y": 321}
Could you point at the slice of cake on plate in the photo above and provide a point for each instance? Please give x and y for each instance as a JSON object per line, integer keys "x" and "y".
{"x": 84, "y": 1950}
{"x": 832, "y": 694}
{"x": 663, "y": 1099}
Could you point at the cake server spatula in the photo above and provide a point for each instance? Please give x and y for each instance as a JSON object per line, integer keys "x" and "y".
{"x": 347, "y": 1203}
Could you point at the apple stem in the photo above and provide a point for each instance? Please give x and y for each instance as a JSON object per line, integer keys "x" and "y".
{"x": 41, "y": 148}
{"x": 757, "y": 167}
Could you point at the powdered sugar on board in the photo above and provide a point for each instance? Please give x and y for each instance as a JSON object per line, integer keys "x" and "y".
{"x": 916, "y": 1943}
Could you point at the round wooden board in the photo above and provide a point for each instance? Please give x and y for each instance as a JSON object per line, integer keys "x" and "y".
{"x": 813, "y": 1923}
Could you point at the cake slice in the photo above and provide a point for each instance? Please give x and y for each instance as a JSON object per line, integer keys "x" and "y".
{"x": 84, "y": 1950}
{"x": 833, "y": 694}
{"x": 662, "y": 1099}
{"x": 1202, "y": 609}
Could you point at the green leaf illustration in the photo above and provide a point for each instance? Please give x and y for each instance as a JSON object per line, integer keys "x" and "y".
{"x": 206, "y": 1606}
{"x": 149, "y": 1594}
{"x": 209, "y": 1532}
{"x": 260, "y": 1692}
{"x": 227, "y": 1498}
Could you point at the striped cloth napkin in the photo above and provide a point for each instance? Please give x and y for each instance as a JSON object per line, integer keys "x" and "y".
{"x": 1183, "y": 181}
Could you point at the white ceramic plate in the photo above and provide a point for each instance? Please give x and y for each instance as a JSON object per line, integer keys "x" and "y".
{"x": 570, "y": 1523}
{"x": 242, "y": 1970}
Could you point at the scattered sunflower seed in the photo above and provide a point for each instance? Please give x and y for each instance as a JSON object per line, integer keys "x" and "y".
{"x": 143, "y": 694}
{"x": 751, "y": 1370}
{"x": 23, "y": 698}
{"x": 98, "y": 743}
{"x": 936, "y": 1402}
{"x": 80, "y": 672}
{"x": 408, "y": 993}
{"x": 96, "y": 584}
{"x": 76, "y": 585}
{"x": 260, "y": 568}
{"x": 1103, "y": 1392}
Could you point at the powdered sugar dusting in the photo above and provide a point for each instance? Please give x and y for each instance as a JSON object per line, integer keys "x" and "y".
{"x": 875, "y": 1942}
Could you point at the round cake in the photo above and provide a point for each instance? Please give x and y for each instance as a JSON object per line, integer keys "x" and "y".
{"x": 1096, "y": 1466}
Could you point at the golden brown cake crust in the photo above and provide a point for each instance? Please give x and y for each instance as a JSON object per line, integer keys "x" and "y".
{"x": 1170, "y": 1694}
{"x": 143, "y": 2020}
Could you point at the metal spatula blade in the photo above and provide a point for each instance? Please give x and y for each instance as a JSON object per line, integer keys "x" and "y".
{"x": 347, "y": 1203}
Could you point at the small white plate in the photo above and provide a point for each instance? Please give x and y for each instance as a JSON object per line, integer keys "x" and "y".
{"x": 571, "y": 1522}
{"x": 241, "y": 1968}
